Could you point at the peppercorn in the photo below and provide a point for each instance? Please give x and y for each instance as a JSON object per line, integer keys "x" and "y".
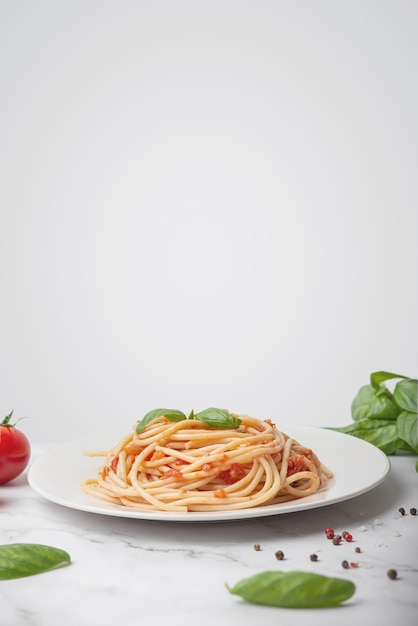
{"x": 357, "y": 549}
{"x": 348, "y": 537}
{"x": 336, "y": 540}
{"x": 257, "y": 547}
{"x": 345, "y": 564}
{"x": 402, "y": 510}
{"x": 413, "y": 511}
{"x": 313, "y": 557}
{"x": 329, "y": 533}
{"x": 392, "y": 573}
{"x": 279, "y": 555}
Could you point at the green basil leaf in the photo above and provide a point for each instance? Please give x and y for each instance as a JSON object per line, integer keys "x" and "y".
{"x": 381, "y": 433}
{"x": 374, "y": 403}
{"x": 383, "y": 405}
{"x": 361, "y": 402}
{"x": 406, "y": 447}
{"x": 301, "y": 590}
{"x": 406, "y": 394}
{"x": 408, "y": 429}
{"x": 26, "y": 559}
{"x": 218, "y": 418}
{"x": 171, "y": 414}
{"x": 377, "y": 378}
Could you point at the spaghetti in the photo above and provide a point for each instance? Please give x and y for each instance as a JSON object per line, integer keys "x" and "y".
{"x": 188, "y": 466}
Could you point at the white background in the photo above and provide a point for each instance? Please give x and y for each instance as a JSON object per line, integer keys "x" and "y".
{"x": 205, "y": 204}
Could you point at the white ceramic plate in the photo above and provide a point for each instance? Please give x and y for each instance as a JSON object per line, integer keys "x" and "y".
{"x": 358, "y": 467}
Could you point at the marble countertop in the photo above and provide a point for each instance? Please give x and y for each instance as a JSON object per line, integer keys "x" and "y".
{"x": 137, "y": 572}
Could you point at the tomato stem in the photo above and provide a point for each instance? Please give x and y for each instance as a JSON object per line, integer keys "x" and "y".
{"x": 6, "y": 421}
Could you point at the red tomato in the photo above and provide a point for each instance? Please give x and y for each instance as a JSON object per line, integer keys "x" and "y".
{"x": 14, "y": 451}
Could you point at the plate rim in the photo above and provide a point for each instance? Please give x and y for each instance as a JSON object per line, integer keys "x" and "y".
{"x": 320, "y": 499}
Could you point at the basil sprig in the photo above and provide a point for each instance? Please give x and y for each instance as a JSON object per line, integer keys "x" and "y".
{"x": 293, "y": 590}
{"x": 18, "y": 560}
{"x": 212, "y": 417}
{"x": 387, "y": 420}
{"x": 171, "y": 414}
{"x": 218, "y": 418}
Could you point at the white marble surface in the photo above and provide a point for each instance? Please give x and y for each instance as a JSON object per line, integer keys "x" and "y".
{"x": 140, "y": 572}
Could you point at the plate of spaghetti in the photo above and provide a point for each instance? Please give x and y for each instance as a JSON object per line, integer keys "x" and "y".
{"x": 212, "y": 466}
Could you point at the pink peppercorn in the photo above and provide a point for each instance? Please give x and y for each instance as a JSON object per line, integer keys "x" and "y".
{"x": 329, "y": 533}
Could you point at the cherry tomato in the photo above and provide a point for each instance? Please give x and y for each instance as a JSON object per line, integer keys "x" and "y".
{"x": 14, "y": 451}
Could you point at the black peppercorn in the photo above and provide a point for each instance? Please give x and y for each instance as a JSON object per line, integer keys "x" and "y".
{"x": 357, "y": 549}
{"x": 392, "y": 573}
{"x": 345, "y": 564}
{"x": 279, "y": 555}
{"x": 402, "y": 510}
{"x": 337, "y": 540}
{"x": 313, "y": 557}
{"x": 413, "y": 511}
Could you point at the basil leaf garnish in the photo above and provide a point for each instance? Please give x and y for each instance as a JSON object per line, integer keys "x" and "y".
{"x": 218, "y": 418}
{"x": 18, "y": 560}
{"x": 173, "y": 415}
{"x": 296, "y": 590}
{"x": 214, "y": 418}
